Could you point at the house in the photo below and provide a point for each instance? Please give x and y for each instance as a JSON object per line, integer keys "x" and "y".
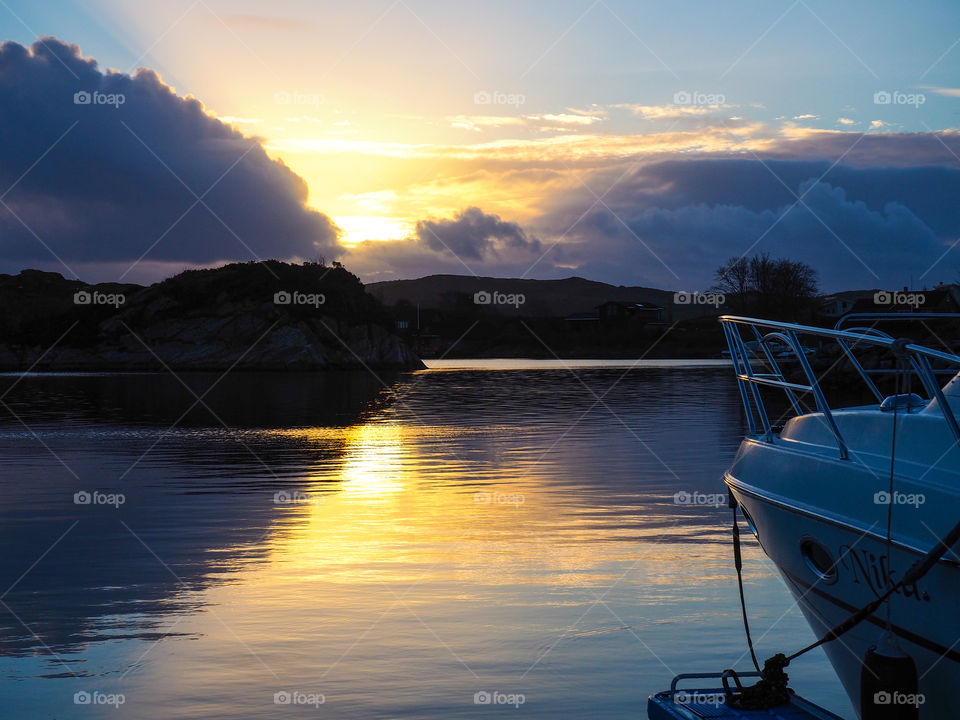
{"x": 615, "y": 310}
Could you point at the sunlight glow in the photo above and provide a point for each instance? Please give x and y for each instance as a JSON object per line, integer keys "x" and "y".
{"x": 357, "y": 228}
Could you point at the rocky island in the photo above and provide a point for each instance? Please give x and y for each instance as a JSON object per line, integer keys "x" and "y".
{"x": 248, "y": 316}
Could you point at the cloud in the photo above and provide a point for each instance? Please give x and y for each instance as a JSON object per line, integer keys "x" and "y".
{"x": 475, "y": 235}
{"x": 670, "y": 223}
{"x": 113, "y": 173}
{"x": 674, "y": 222}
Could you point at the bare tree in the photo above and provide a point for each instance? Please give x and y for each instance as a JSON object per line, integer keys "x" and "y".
{"x": 733, "y": 280}
{"x": 773, "y": 287}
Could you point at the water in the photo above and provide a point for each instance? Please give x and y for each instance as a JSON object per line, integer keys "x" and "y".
{"x": 391, "y": 549}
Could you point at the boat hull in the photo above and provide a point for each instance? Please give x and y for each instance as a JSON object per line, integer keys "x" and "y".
{"x": 795, "y": 533}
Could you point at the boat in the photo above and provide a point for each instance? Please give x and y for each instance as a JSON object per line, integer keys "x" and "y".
{"x": 778, "y": 350}
{"x": 858, "y": 506}
{"x": 695, "y": 703}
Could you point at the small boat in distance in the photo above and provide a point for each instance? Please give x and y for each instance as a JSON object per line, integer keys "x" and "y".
{"x": 778, "y": 350}
{"x": 858, "y": 504}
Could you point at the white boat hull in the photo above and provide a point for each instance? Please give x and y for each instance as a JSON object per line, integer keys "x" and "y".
{"x": 924, "y": 618}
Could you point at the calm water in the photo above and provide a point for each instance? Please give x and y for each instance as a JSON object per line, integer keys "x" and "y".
{"x": 392, "y": 549}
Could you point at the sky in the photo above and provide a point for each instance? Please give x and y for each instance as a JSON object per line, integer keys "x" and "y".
{"x": 635, "y": 143}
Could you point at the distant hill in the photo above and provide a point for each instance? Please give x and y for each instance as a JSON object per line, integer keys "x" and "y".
{"x": 543, "y": 298}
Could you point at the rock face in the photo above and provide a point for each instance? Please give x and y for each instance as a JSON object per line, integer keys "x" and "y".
{"x": 253, "y": 316}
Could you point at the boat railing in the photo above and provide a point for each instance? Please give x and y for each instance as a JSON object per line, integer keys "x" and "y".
{"x": 759, "y": 367}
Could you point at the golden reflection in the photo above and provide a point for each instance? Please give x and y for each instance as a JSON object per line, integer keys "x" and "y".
{"x": 372, "y": 465}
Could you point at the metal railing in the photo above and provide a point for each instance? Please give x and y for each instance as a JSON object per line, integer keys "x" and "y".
{"x": 768, "y": 334}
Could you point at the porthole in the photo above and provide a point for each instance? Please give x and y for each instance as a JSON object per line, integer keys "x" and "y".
{"x": 819, "y": 559}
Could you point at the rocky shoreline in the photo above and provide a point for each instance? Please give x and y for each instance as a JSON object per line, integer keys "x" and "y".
{"x": 254, "y": 316}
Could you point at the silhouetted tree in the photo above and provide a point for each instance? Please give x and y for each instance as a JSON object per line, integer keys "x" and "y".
{"x": 773, "y": 287}
{"x": 733, "y": 280}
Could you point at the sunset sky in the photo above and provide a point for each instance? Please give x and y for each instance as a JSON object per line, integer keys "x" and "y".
{"x": 635, "y": 143}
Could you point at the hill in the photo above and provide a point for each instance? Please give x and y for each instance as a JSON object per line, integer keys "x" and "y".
{"x": 542, "y": 298}
{"x": 252, "y": 316}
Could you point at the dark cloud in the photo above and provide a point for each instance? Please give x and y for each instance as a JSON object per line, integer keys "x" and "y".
{"x": 472, "y": 242}
{"x": 474, "y": 235}
{"x": 671, "y": 223}
{"x": 112, "y": 178}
